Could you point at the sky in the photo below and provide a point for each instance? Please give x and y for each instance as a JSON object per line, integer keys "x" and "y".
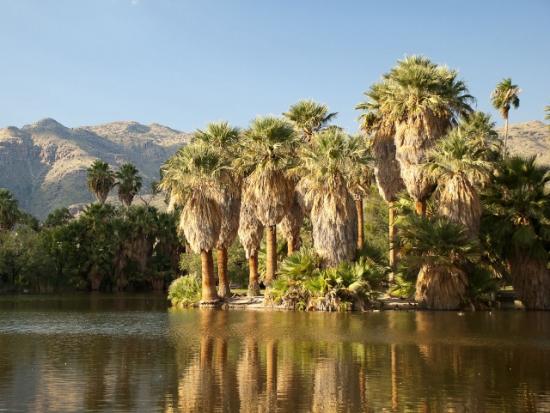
{"x": 183, "y": 63}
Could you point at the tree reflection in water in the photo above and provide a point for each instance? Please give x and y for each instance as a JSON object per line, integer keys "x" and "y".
{"x": 227, "y": 361}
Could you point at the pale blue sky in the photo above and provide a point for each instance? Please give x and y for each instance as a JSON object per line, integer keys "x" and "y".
{"x": 183, "y": 63}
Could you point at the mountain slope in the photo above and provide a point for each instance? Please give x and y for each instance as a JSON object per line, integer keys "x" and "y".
{"x": 44, "y": 164}
{"x": 530, "y": 138}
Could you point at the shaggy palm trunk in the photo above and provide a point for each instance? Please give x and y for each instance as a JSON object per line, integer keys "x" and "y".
{"x": 531, "y": 281}
{"x": 209, "y": 295}
{"x": 360, "y": 224}
{"x": 392, "y": 236}
{"x": 290, "y": 246}
{"x": 253, "y": 279}
{"x": 271, "y": 252}
{"x": 420, "y": 207}
{"x": 223, "y": 276}
{"x": 440, "y": 288}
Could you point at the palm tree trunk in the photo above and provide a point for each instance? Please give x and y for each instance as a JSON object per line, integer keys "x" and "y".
{"x": 290, "y": 246}
{"x": 271, "y": 252}
{"x": 420, "y": 207}
{"x": 392, "y": 232}
{"x": 209, "y": 295}
{"x": 253, "y": 283}
{"x": 223, "y": 277}
{"x": 505, "y": 149}
{"x": 360, "y": 223}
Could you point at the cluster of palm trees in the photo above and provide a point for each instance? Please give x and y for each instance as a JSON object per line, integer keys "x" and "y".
{"x": 421, "y": 135}
{"x": 101, "y": 179}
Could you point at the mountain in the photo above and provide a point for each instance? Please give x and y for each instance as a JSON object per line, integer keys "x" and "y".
{"x": 44, "y": 164}
{"x": 530, "y": 138}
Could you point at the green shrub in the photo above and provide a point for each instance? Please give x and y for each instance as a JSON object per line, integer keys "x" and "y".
{"x": 185, "y": 291}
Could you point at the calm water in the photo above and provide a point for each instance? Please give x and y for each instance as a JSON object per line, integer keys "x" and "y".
{"x": 108, "y": 353}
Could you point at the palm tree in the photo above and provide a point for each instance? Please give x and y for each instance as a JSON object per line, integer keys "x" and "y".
{"x": 250, "y": 234}
{"x": 547, "y": 110}
{"x": 359, "y": 178}
{"x": 266, "y": 156}
{"x": 422, "y": 100}
{"x": 517, "y": 227}
{"x": 9, "y": 211}
{"x": 224, "y": 138}
{"x": 129, "y": 183}
{"x": 193, "y": 178}
{"x": 101, "y": 180}
{"x": 504, "y": 97}
{"x": 324, "y": 167}
{"x": 442, "y": 250}
{"x": 386, "y": 167}
{"x": 458, "y": 165}
{"x": 309, "y": 117}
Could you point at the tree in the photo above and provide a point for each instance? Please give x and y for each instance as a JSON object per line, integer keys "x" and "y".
{"x": 266, "y": 156}
{"x": 422, "y": 100}
{"x": 129, "y": 183}
{"x": 101, "y": 180}
{"x": 250, "y": 234}
{"x": 192, "y": 178}
{"x": 517, "y": 227}
{"x": 58, "y": 217}
{"x": 324, "y": 169}
{"x": 386, "y": 167}
{"x": 9, "y": 210}
{"x": 504, "y": 97}
{"x": 309, "y": 117}
{"x": 224, "y": 138}
{"x": 547, "y": 110}
{"x": 459, "y": 167}
{"x": 442, "y": 250}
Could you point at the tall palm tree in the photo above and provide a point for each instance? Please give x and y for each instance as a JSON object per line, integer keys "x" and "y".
{"x": 504, "y": 97}
{"x": 129, "y": 183}
{"x": 442, "y": 250}
{"x": 422, "y": 100}
{"x": 266, "y": 156}
{"x": 224, "y": 138}
{"x": 250, "y": 234}
{"x": 547, "y": 114}
{"x": 458, "y": 165}
{"x": 309, "y": 117}
{"x": 9, "y": 211}
{"x": 517, "y": 226}
{"x": 324, "y": 167}
{"x": 193, "y": 178}
{"x": 386, "y": 167}
{"x": 359, "y": 178}
{"x": 101, "y": 180}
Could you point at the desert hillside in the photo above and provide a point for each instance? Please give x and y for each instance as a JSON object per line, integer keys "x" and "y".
{"x": 530, "y": 138}
{"x": 44, "y": 164}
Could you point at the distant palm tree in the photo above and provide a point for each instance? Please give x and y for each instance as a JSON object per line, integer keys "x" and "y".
{"x": 9, "y": 211}
{"x": 547, "y": 110}
{"x": 309, "y": 117}
{"x": 422, "y": 100}
{"x": 101, "y": 180}
{"x": 266, "y": 156}
{"x": 129, "y": 183}
{"x": 224, "y": 138}
{"x": 324, "y": 167}
{"x": 518, "y": 227}
{"x": 193, "y": 178}
{"x": 504, "y": 97}
{"x": 442, "y": 250}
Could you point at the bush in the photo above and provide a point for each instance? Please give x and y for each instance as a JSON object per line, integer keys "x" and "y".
{"x": 185, "y": 291}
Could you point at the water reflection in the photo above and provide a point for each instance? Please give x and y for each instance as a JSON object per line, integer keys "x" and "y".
{"x": 223, "y": 361}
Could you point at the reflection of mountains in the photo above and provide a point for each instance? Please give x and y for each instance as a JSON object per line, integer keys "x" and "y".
{"x": 240, "y": 361}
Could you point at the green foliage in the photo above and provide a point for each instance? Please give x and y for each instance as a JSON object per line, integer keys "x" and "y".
{"x": 9, "y": 210}
{"x": 129, "y": 183}
{"x": 505, "y": 96}
{"x": 101, "y": 180}
{"x": 185, "y": 291}
{"x": 376, "y": 227}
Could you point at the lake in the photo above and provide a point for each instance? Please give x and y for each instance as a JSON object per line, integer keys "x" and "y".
{"x": 132, "y": 353}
